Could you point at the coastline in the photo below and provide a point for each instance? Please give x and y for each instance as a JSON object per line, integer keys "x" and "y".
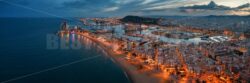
{"x": 129, "y": 70}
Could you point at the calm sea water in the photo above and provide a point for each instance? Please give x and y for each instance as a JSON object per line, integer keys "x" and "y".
{"x": 23, "y": 53}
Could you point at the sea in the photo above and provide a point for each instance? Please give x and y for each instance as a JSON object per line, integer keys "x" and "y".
{"x": 25, "y": 57}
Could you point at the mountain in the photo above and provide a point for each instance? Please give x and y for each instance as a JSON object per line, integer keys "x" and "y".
{"x": 244, "y": 7}
{"x": 211, "y": 6}
{"x": 247, "y": 5}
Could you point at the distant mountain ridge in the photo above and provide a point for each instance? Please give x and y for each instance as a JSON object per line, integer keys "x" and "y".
{"x": 247, "y": 5}
{"x": 244, "y": 7}
{"x": 213, "y": 6}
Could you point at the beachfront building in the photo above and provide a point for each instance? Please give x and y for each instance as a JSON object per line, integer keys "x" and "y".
{"x": 180, "y": 51}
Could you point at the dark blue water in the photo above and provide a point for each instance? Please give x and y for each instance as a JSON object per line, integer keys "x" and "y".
{"x": 23, "y": 52}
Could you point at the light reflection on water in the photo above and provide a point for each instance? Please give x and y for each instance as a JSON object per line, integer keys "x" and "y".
{"x": 85, "y": 43}
{"x": 89, "y": 44}
{"x": 24, "y": 51}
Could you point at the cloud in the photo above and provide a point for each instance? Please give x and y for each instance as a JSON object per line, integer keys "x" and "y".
{"x": 74, "y": 4}
{"x": 237, "y": 12}
{"x": 123, "y": 1}
{"x": 110, "y": 9}
{"x": 148, "y": 1}
{"x": 84, "y": 4}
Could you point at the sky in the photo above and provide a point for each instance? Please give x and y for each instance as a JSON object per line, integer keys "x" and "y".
{"x": 109, "y": 8}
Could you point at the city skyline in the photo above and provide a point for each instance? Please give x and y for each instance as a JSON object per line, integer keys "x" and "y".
{"x": 125, "y": 41}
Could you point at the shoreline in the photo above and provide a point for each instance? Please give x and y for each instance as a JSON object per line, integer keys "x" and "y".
{"x": 129, "y": 70}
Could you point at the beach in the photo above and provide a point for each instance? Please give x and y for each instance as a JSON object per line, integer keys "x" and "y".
{"x": 129, "y": 70}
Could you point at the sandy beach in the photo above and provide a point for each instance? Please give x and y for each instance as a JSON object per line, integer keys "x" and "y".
{"x": 129, "y": 70}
